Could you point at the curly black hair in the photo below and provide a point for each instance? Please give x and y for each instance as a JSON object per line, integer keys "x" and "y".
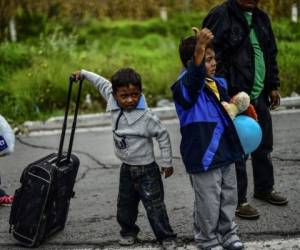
{"x": 124, "y": 77}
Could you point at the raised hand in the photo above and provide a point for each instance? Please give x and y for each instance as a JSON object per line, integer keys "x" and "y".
{"x": 203, "y": 38}
{"x": 76, "y": 75}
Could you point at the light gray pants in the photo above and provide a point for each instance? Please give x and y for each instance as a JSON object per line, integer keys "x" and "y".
{"x": 214, "y": 207}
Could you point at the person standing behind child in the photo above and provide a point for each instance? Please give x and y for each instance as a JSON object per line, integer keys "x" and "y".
{"x": 246, "y": 53}
{"x": 209, "y": 145}
{"x": 133, "y": 127}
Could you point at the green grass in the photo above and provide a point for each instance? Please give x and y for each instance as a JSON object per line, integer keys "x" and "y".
{"x": 289, "y": 61}
{"x": 34, "y": 73}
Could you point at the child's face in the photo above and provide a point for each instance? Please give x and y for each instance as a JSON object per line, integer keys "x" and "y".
{"x": 128, "y": 96}
{"x": 210, "y": 62}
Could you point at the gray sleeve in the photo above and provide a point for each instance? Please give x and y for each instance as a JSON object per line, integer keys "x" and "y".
{"x": 102, "y": 84}
{"x": 155, "y": 129}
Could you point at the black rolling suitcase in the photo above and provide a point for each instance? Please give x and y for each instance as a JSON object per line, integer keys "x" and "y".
{"x": 41, "y": 204}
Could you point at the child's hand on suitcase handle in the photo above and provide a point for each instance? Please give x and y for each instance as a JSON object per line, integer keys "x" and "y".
{"x": 167, "y": 171}
{"x": 76, "y": 76}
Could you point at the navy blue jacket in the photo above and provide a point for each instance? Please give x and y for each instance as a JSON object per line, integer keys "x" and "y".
{"x": 209, "y": 139}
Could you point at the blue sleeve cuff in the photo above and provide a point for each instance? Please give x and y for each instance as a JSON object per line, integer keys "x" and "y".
{"x": 195, "y": 76}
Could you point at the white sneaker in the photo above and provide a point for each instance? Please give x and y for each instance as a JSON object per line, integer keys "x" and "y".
{"x": 127, "y": 240}
{"x": 169, "y": 245}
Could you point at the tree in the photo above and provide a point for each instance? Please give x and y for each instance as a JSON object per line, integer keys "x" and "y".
{"x": 7, "y": 10}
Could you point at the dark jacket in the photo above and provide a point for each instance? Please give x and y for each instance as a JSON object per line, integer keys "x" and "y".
{"x": 234, "y": 52}
{"x": 209, "y": 139}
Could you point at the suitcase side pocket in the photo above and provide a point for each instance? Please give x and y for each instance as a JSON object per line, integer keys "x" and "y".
{"x": 13, "y": 218}
{"x": 28, "y": 217}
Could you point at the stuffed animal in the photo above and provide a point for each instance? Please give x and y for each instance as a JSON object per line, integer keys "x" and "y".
{"x": 238, "y": 104}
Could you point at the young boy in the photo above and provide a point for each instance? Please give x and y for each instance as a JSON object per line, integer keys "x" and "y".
{"x": 133, "y": 127}
{"x": 209, "y": 145}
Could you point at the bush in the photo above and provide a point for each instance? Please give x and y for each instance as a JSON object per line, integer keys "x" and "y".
{"x": 289, "y": 61}
{"x": 16, "y": 109}
{"x": 34, "y": 79}
{"x": 13, "y": 57}
{"x": 286, "y": 30}
{"x": 179, "y": 25}
{"x": 30, "y": 26}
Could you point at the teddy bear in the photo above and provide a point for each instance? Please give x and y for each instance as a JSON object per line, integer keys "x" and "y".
{"x": 238, "y": 104}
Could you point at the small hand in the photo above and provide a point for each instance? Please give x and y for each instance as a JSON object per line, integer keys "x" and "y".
{"x": 167, "y": 171}
{"x": 275, "y": 99}
{"x": 203, "y": 36}
{"x": 76, "y": 75}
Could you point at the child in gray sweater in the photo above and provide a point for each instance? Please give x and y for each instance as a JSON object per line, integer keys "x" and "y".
{"x": 133, "y": 126}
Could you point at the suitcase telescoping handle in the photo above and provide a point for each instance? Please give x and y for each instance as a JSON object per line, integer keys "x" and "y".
{"x": 64, "y": 128}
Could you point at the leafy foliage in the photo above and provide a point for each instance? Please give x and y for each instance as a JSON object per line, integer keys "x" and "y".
{"x": 32, "y": 16}
{"x": 34, "y": 72}
{"x": 13, "y": 57}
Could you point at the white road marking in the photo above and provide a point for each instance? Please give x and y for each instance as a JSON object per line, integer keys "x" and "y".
{"x": 275, "y": 244}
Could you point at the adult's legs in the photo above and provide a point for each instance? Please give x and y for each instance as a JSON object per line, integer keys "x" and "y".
{"x": 242, "y": 181}
{"x": 263, "y": 174}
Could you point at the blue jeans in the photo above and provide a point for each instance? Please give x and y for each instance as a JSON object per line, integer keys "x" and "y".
{"x": 142, "y": 183}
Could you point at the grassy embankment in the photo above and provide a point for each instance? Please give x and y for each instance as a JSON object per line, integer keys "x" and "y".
{"x": 34, "y": 72}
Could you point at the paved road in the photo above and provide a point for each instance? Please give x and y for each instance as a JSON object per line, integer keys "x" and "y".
{"x": 92, "y": 219}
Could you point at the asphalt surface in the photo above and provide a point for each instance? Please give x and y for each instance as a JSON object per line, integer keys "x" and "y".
{"x": 92, "y": 217}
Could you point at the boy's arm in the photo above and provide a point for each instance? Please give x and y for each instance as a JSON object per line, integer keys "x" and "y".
{"x": 102, "y": 84}
{"x": 217, "y": 22}
{"x": 185, "y": 90}
{"x": 196, "y": 72}
{"x": 155, "y": 129}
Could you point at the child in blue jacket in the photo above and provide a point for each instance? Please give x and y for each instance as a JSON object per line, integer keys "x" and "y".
{"x": 209, "y": 145}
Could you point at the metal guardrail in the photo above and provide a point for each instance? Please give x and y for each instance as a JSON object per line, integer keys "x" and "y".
{"x": 103, "y": 119}
{"x": 290, "y": 102}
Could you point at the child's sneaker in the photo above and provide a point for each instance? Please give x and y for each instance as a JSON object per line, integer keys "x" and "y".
{"x": 218, "y": 247}
{"x": 6, "y": 200}
{"x": 127, "y": 240}
{"x": 236, "y": 245}
{"x": 169, "y": 245}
